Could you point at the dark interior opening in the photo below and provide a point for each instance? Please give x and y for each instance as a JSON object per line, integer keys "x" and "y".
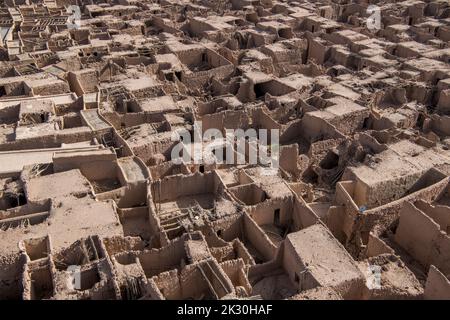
{"x": 259, "y": 90}
{"x": 88, "y": 279}
{"x": 310, "y": 176}
{"x": 420, "y": 120}
{"x": 276, "y": 217}
{"x": 366, "y": 123}
{"x": 330, "y": 161}
{"x": 41, "y": 284}
{"x": 18, "y": 200}
{"x": 285, "y": 33}
{"x": 170, "y": 77}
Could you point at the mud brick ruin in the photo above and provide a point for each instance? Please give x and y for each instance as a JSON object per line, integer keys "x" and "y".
{"x": 94, "y": 206}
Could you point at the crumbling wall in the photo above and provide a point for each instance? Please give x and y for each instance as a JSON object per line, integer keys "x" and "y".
{"x": 341, "y": 218}
{"x": 11, "y": 270}
{"x": 93, "y": 166}
{"x": 418, "y": 234}
{"x": 169, "y": 285}
{"x": 302, "y": 215}
{"x": 289, "y": 159}
{"x": 249, "y": 194}
{"x": 159, "y": 260}
{"x": 132, "y": 119}
{"x": 177, "y": 186}
{"x": 10, "y": 114}
{"x": 117, "y": 244}
{"x": 236, "y": 271}
{"x": 441, "y": 124}
{"x": 258, "y": 238}
{"x": 376, "y": 246}
{"x": 387, "y": 214}
{"x": 262, "y": 120}
{"x": 263, "y": 213}
{"x": 440, "y": 214}
{"x": 437, "y": 286}
{"x": 53, "y": 140}
{"x": 230, "y": 228}
{"x": 296, "y": 269}
{"x": 318, "y": 51}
